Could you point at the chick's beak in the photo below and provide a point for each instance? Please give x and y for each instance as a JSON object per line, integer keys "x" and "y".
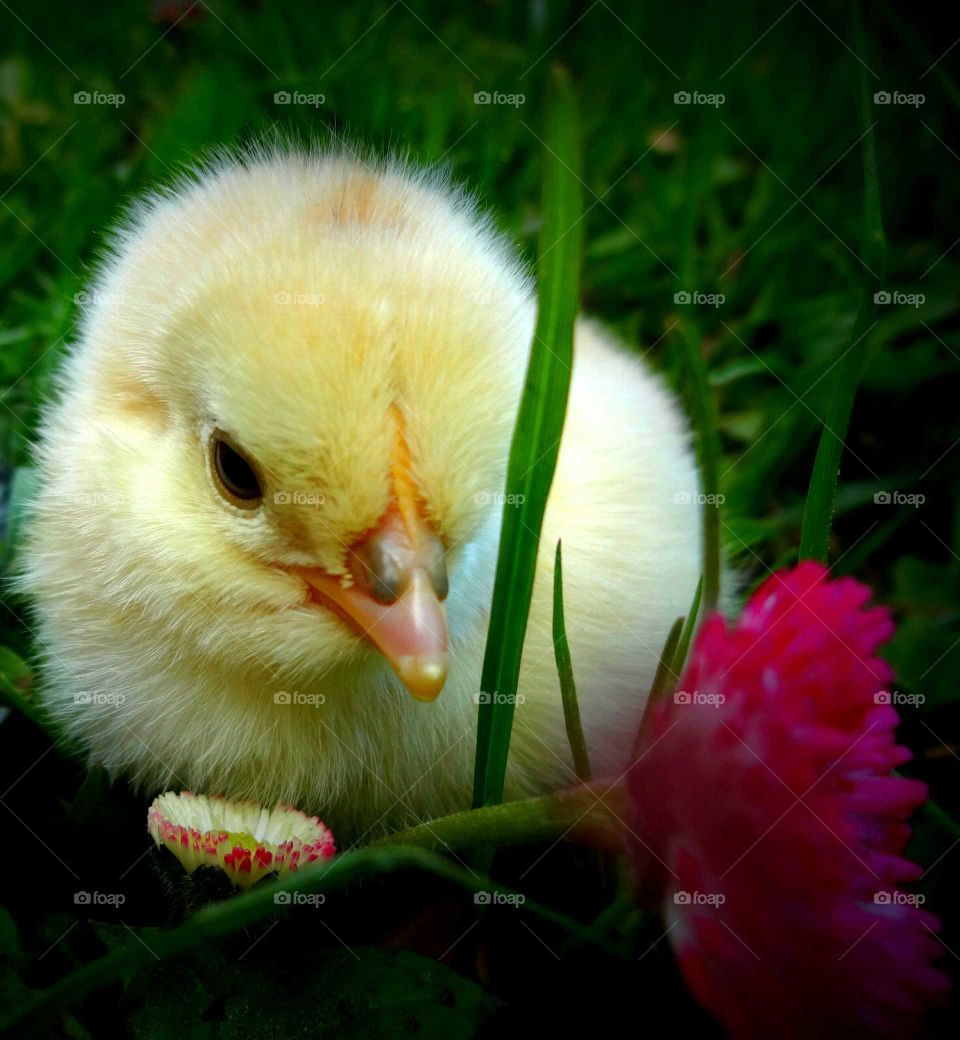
{"x": 395, "y": 594}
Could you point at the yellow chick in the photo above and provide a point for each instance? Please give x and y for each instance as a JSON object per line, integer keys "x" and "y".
{"x": 263, "y": 550}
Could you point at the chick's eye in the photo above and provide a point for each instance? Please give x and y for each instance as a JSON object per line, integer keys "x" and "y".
{"x": 235, "y": 474}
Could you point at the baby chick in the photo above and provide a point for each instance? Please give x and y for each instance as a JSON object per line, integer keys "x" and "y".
{"x": 263, "y": 550}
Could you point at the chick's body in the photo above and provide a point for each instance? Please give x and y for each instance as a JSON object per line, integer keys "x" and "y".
{"x": 317, "y": 311}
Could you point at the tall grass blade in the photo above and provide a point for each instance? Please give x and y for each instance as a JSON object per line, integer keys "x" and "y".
{"x": 536, "y": 438}
{"x": 689, "y": 626}
{"x": 665, "y": 674}
{"x": 821, "y": 497}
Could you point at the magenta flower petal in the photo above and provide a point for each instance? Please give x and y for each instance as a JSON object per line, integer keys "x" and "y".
{"x": 775, "y": 828}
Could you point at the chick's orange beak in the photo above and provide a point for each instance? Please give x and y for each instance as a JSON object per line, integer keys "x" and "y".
{"x": 394, "y": 595}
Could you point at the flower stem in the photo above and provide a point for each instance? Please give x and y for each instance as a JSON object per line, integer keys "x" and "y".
{"x": 568, "y": 688}
{"x": 583, "y": 810}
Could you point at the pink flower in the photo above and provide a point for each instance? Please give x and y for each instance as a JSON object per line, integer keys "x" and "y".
{"x": 774, "y": 828}
{"x": 244, "y": 840}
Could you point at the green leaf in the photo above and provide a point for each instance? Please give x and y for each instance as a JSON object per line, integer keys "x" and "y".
{"x": 568, "y": 688}
{"x": 17, "y": 689}
{"x": 9, "y": 942}
{"x": 12, "y": 962}
{"x": 536, "y": 438}
{"x": 242, "y": 911}
{"x": 22, "y": 486}
{"x": 172, "y": 1002}
{"x": 362, "y": 992}
{"x": 935, "y": 835}
{"x": 925, "y": 648}
{"x": 526, "y": 821}
{"x": 14, "y": 671}
{"x": 16, "y": 683}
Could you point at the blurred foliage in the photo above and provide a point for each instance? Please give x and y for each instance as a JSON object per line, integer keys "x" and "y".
{"x": 759, "y": 199}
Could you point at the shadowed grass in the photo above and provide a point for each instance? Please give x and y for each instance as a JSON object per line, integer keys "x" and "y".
{"x": 242, "y": 911}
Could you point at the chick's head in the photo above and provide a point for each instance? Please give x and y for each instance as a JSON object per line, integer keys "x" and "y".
{"x": 298, "y": 381}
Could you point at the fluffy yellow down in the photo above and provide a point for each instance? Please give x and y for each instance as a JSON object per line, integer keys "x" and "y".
{"x": 292, "y": 300}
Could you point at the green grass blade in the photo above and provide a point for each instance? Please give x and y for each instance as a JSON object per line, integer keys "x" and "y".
{"x": 683, "y": 646}
{"x": 536, "y": 438}
{"x": 821, "y": 497}
{"x": 665, "y": 674}
{"x": 568, "y": 688}
{"x": 16, "y": 699}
